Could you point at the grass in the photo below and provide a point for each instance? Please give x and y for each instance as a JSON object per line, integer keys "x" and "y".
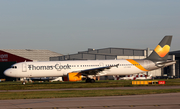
{"x": 61, "y": 85}
{"x": 82, "y": 84}
{"x": 80, "y": 93}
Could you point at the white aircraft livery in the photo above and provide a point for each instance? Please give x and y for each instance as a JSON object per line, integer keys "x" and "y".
{"x": 76, "y": 70}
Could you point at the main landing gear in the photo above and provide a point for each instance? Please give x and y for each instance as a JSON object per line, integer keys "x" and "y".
{"x": 89, "y": 80}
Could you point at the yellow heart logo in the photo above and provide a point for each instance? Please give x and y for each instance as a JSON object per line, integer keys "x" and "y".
{"x": 162, "y": 51}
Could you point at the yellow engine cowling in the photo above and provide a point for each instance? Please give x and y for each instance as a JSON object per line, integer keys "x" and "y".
{"x": 75, "y": 76}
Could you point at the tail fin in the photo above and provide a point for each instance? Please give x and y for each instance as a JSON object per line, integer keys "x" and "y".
{"x": 160, "y": 53}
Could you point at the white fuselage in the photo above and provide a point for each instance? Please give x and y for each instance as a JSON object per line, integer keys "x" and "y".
{"x": 62, "y": 68}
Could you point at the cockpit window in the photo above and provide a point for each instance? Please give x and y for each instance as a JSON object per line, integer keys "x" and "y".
{"x": 14, "y": 67}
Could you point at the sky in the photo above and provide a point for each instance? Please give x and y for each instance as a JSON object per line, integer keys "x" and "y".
{"x": 69, "y": 26}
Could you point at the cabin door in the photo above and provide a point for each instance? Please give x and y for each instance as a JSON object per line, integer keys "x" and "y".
{"x": 24, "y": 67}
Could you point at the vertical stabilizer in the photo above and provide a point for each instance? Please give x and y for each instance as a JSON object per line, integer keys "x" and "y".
{"x": 160, "y": 53}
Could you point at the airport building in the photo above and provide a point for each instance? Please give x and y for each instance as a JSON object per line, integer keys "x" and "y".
{"x": 120, "y": 53}
{"x": 8, "y": 57}
{"x": 176, "y": 56}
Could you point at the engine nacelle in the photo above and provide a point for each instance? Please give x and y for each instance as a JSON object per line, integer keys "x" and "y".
{"x": 74, "y": 76}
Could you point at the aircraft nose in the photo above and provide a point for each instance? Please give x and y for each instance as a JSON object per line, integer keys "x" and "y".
{"x": 8, "y": 73}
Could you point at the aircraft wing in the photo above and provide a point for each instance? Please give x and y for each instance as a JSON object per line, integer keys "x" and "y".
{"x": 94, "y": 71}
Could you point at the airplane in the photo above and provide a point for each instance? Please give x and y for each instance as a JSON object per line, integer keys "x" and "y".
{"x": 87, "y": 69}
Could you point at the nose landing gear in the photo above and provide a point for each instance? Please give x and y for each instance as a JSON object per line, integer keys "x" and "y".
{"x": 24, "y": 80}
{"x": 23, "y": 83}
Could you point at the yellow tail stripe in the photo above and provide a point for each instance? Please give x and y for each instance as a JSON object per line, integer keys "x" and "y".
{"x": 136, "y": 64}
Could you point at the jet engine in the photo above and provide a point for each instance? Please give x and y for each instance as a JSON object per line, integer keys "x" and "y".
{"x": 75, "y": 76}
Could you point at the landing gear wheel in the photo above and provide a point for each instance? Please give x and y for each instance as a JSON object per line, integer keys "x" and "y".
{"x": 23, "y": 82}
{"x": 88, "y": 80}
{"x": 92, "y": 80}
